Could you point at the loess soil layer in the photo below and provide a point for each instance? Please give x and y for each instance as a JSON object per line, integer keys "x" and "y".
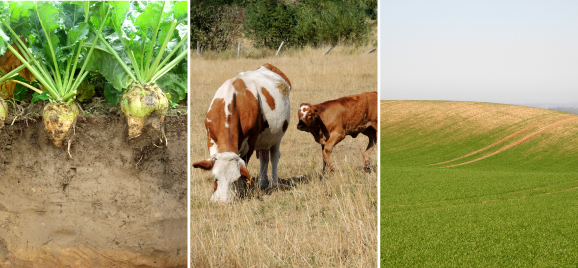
{"x": 104, "y": 202}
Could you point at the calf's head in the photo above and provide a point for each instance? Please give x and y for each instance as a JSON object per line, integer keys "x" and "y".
{"x": 229, "y": 171}
{"x": 307, "y": 115}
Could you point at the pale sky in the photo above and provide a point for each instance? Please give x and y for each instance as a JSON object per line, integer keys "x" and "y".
{"x": 489, "y": 51}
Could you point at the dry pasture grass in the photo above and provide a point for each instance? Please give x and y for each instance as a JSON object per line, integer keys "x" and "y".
{"x": 307, "y": 222}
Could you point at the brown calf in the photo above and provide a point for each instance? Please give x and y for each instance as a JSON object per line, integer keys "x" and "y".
{"x": 331, "y": 121}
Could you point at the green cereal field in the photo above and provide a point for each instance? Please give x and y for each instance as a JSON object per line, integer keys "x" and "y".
{"x": 467, "y": 184}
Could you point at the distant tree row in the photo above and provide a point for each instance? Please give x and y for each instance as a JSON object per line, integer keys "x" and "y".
{"x": 219, "y": 24}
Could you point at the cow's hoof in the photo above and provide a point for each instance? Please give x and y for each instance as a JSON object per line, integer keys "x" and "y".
{"x": 263, "y": 185}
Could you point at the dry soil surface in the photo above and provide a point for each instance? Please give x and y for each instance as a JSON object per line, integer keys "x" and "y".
{"x": 115, "y": 203}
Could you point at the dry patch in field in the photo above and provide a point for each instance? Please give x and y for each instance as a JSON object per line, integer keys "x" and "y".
{"x": 522, "y": 140}
{"x": 308, "y": 222}
{"x": 508, "y": 125}
{"x": 442, "y": 118}
{"x": 509, "y": 137}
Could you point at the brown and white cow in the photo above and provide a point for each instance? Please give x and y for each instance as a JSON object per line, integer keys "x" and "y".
{"x": 249, "y": 112}
{"x": 331, "y": 121}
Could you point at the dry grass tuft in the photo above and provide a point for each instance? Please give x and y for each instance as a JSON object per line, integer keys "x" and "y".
{"x": 308, "y": 222}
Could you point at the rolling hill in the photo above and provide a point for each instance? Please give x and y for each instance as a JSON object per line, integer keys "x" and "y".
{"x": 478, "y": 185}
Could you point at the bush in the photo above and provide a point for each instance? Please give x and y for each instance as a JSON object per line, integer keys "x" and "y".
{"x": 219, "y": 24}
{"x": 309, "y": 22}
{"x": 269, "y": 22}
{"x": 332, "y": 22}
{"x": 370, "y": 8}
{"x": 216, "y": 25}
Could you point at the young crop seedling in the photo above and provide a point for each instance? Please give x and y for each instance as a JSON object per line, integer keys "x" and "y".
{"x": 53, "y": 50}
{"x": 140, "y": 51}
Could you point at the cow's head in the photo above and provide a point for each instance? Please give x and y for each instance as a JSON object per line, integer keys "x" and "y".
{"x": 307, "y": 114}
{"x": 229, "y": 171}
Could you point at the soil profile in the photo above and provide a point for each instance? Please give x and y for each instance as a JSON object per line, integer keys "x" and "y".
{"x": 105, "y": 202}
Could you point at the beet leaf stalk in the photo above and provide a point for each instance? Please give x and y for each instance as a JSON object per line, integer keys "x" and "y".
{"x": 3, "y": 105}
{"x": 54, "y": 53}
{"x": 146, "y": 43}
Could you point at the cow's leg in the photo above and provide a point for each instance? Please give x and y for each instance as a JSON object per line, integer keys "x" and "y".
{"x": 372, "y": 135}
{"x": 247, "y": 157}
{"x": 275, "y": 155}
{"x": 333, "y": 140}
{"x": 264, "y": 161}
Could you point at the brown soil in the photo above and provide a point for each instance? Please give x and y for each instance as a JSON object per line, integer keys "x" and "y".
{"x": 110, "y": 203}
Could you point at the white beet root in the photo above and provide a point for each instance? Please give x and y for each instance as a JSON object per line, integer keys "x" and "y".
{"x": 59, "y": 119}
{"x": 141, "y": 102}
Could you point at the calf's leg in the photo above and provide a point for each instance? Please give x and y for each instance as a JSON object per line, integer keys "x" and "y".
{"x": 372, "y": 135}
{"x": 324, "y": 164}
{"x": 333, "y": 140}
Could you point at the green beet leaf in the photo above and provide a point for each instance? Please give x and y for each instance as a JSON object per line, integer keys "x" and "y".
{"x": 36, "y": 97}
{"x": 147, "y": 39}
{"x": 112, "y": 95}
{"x": 54, "y": 33}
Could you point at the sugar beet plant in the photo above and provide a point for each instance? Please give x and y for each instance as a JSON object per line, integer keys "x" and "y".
{"x": 141, "y": 50}
{"x": 53, "y": 50}
{"x": 3, "y": 78}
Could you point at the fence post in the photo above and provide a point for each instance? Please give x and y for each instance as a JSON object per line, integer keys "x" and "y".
{"x": 370, "y": 51}
{"x": 327, "y": 51}
{"x": 239, "y": 50}
{"x": 198, "y": 48}
{"x": 282, "y": 42}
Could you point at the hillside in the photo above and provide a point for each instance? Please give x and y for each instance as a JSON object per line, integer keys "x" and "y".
{"x": 477, "y": 184}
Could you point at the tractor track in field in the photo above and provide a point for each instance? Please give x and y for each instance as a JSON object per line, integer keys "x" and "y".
{"x": 482, "y": 202}
{"x": 511, "y": 136}
{"x": 542, "y": 187}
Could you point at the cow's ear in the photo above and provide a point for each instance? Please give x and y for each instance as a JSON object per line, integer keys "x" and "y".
{"x": 205, "y": 164}
{"x": 246, "y": 176}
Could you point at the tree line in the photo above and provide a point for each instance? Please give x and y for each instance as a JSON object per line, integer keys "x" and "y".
{"x": 220, "y": 24}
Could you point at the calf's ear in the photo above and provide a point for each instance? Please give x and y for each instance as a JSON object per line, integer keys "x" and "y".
{"x": 246, "y": 176}
{"x": 205, "y": 164}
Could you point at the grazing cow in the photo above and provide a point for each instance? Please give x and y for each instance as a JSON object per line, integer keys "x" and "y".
{"x": 331, "y": 121}
{"x": 249, "y": 112}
